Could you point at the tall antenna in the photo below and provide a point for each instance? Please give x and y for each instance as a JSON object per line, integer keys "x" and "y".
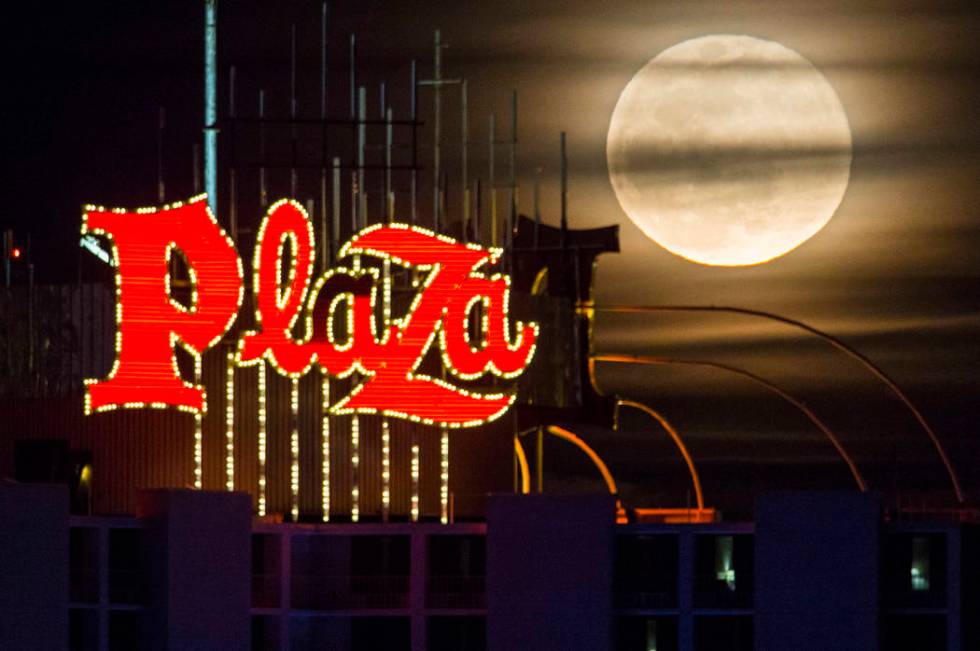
{"x": 464, "y": 163}
{"x": 324, "y": 241}
{"x": 161, "y": 124}
{"x": 293, "y": 106}
{"x": 436, "y": 129}
{"x": 233, "y": 173}
{"x": 211, "y": 103}
{"x": 564, "y": 193}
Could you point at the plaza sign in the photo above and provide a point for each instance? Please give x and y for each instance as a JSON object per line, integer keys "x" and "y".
{"x": 150, "y": 323}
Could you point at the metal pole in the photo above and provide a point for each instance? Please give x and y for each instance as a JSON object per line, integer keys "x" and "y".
{"x": 30, "y": 317}
{"x": 293, "y": 181}
{"x": 389, "y": 195}
{"x": 415, "y": 150}
{"x": 353, "y": 76}
{"x": 361, "y": 145}
{"x": 324, "y": 241}
{"x": 263, "y": 189}
{"x": 464, "y": 183}
{"x": 476, "y": 212}
{"x": 196, "y": 167}
{"x": 211, "y": 103}
{"x": 335, "y": 235}
{"x": 436, "y": 129}
{"x": 492, "y": 188}
{"x": 161, "y": 124}
{"x": 385, "y": 176}
{"x": 233, "y": 173}
{"x": 564, "y": 193}
{"x": 537, "y": 204}
{"x": 512, "y": 217}
{"x": 354, "y": 188}
{"x": 323, "y": 60}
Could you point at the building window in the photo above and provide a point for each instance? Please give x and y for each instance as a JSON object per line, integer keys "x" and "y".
{"x": 457, "y": 634}
{"x": 377, "y": 633}
{"x": 724, "y": 568}
{"x": 645, "y": 571}
{"x": 909, "y": 631}
{"x": 266, "y": 581}
{"x": 127, "y": 570}
{"x": 457, "y": 567}
{"x": 646, "y": 634}
{"x": 723, "y": 633}
{"x": 913, "y": 570}
{"x": 919, "y": 570}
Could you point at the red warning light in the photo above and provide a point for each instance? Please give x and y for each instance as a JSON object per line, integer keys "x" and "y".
{"x": 15, "y": 254}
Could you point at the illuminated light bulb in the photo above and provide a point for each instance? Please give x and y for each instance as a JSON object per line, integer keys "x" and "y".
{"x": 294, "y": 448}
{"x": 444, "y": 476}
{"x": 385, "y": 465}
{"x": 230, "y": 424}
{"x": 325, "y": 450}
{"x": 415, "y": 483}
{"x": 263, "y": 432}
{"x": 198, "y": 432}
{"x": 355, "y": 444}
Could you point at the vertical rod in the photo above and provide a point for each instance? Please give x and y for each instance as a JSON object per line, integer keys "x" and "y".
{"x": 211, "y": 103}
{"x": 361, "y": 147}
{"x": 384, "y": 175}
{"x": 512, "y": 216}
{"x": 415, "y": 483}
{"x": 335, "y": 235}
{"x": 360, "y": 221}
{"x": 323, "y": 60}
{"x": 385, "y": 470}
{"x": 537, "y": 205}
{"x": 355, "y": 462}
{"x": 233, "y": 173}
{"x": 436, "y": 129}
{"x": 539, "y": 462}
{"x": 263, "y": 188}
{"x": 444, "y": 475}
{"x": 294, "y": 448}
{"x": 327, "y": 251}
{"x": 353, "y": 75}
{"x": 30, "y": 316}
{"x": 198, "y": 432}
{"x": 196, "y": 167}
{"x": 263, "y": 434}
{"x": 490, "y": 185}
{"x": 389, "y": 142}
{"x": 293, "y": 106}
{"x": 477, "y": 192}
{"x": 161, "y": 124}
{"x": 564, "y": 193}
{"x": 325, "y": 446}
{"x": 354, "y": 189}
{"x": 465, "y": 164}
{"x": 415, "y": 150}
{"x": 230, "y": 422}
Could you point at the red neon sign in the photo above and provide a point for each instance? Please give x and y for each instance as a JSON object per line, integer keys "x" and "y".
{"x": 150, "y": 323}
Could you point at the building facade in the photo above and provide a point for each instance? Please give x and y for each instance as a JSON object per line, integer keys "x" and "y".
{"x": 193, "y": 571}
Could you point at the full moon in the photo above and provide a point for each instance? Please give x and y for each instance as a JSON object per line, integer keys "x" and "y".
{"x": 729, "y": 150}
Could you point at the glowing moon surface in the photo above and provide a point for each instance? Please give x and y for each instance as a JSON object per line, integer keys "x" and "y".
{"x": 729, "y": 150}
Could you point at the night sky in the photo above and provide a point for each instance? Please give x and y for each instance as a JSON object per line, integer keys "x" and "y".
{"x": 895, "y": 273}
